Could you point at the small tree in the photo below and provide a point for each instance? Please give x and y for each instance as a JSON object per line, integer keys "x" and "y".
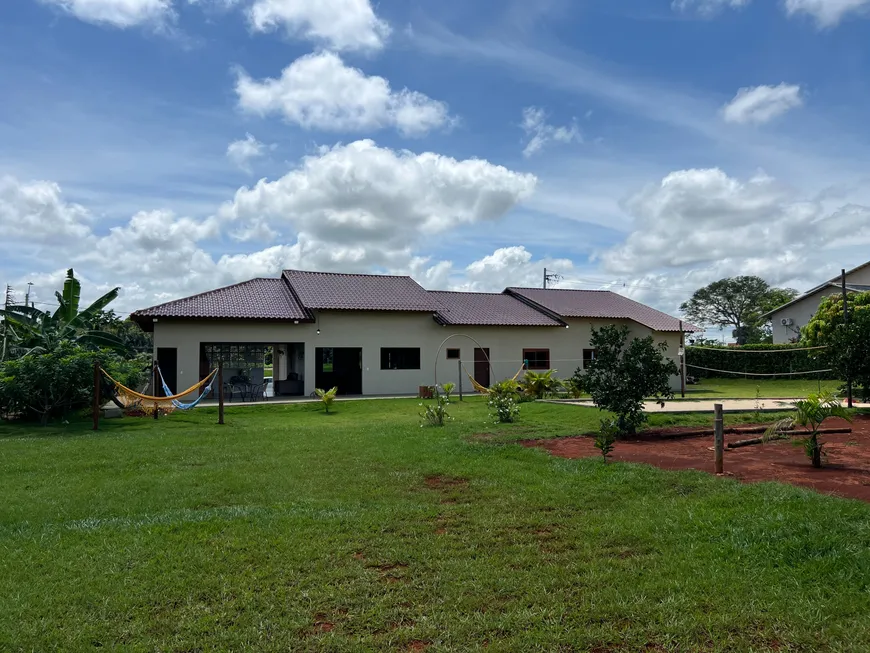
{"x": 327, "y": 397}
{"x": 625, "y": 372}
{"x": 503, "y": 400}
{"x": 606, "y": 438}
{"x": 447, "y": 389}
{"x": 810, "y": 413}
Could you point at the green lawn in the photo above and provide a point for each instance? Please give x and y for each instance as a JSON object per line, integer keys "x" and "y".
{"x": 738, "y": 388}
{"x": 288, "y": 529}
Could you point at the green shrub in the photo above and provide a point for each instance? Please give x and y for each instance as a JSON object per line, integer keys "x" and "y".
{"x": 447, "y": 389}
{"x": 435, "y": 414}
{"x": 754, "y": 359}
{"x": 503, "y": 400}
{"x": 58, "y": 382}
{"x": 538, "y": 385}
{"x": 327, "y": 397}
{"x": 605, "y": 440}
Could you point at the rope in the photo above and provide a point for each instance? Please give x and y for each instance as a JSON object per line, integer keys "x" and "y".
{"x": 756, "y": 351}
{"x": 139, "y": 395}
{"x": 708, "y": 369}
{"x": 482, "y": 388}
{"x": 195, "y": 402}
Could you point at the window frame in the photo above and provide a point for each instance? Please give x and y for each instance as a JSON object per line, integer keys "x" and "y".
{"x": 457, "y": 357}
{"x": 527, "y": 363}
{"x": 587, "y": 360}
{"x": 385, "y": 361}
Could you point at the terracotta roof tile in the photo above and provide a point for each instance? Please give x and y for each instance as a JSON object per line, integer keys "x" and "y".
{"x": 599, "y": 304}
{"x": 359, "y": 292}
{"x": 487, "y": 309}
{"x": 257, "y": 299}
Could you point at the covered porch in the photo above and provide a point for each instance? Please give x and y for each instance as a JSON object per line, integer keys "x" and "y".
{"x": 256, "y": 371}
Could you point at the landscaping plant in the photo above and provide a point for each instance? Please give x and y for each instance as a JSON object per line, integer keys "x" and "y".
{"x": 503, "y": 400}
{"x": 435, "y": 414}
{"x": 447, "y": 389}
{"x": 605, "y": 440}
{"x": 540, "y": 384}
{"x": 326, "y": 396}
{"x": 625, "y": 372}
{"x": 810, "y": 413}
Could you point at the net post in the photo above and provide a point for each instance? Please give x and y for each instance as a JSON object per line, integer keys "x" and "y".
{"x": 719, "y": 438}
{"x": 154, "y": 385}
{"x": 459, "y": 376}
{"x": 220, "y": 381}
{"x": 96, "y": 407}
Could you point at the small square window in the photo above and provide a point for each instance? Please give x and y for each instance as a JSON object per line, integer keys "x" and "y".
{"x": 453, "y": 354}
{"x": 536, "y": 359}
{"x": 589, "y": 356}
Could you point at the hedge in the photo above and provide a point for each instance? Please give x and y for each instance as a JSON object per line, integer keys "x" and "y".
{"x": 756, "y": 359}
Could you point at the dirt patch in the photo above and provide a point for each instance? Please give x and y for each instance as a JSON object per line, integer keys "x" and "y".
{"x": 322, "y": 624}
{"x": 417, "y": 645}
{"x": 846, "y": 472}
{"x": 438, "y": 482}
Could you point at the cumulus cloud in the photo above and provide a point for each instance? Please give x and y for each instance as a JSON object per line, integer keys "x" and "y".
{"x": 706, "y": 219}
{"x": 117, "y": 13}
{"x": 36, "y": 211}
{"x": 509, "y": 266}
{"x": 707, "y": 7}
{"x": 318, "y": 91}
{"x": 360, "y": 195}
{"x": 338, "y": 24}
{"x": 241, "y": 152}
{"x": 540, "y": 133}
{"x": 761, "y": 104}
{"x": 827, "y": 13}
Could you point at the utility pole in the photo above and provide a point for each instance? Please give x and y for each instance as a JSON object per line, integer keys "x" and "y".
{"x": 27, "y": 295}
{"x": 7, "y": 299}
{"x": 550, "y": 276}
{"x": 849, "y": 353}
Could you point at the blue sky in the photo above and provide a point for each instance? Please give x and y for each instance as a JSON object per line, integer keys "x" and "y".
{"x": 647, "y": 146}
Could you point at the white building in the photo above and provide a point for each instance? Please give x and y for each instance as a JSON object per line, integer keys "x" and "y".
{"x": 788, "y": 320}
{"x": 385, "y": 335}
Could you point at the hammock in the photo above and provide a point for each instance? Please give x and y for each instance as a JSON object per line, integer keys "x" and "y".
{"x": 193, "y": 404}
{"x": 147, "y": 403}
{"x": 482, "y": 388}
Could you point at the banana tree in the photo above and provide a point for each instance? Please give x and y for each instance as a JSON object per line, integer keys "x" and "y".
{"x": 810, "y": 413}
{"x": 31, "y": 330}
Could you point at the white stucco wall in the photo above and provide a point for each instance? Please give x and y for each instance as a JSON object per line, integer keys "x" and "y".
{"x": 373, "y": 330}
{"x": 802, "y": 311}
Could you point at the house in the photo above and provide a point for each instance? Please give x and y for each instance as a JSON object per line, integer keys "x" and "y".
{"x": 788, "y": 319}
{"x": 385, "y": 335}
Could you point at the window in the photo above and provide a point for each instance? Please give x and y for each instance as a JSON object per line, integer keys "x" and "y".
{"x": 589, "y": 355}
{"x": 537, "y": 359}
{"x": 327, "y": 356}
{"x": 453, "y": 354}
{"x": 400, "y": 358}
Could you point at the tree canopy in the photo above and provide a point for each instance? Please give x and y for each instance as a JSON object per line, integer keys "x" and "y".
{"x": 738, "y": 302}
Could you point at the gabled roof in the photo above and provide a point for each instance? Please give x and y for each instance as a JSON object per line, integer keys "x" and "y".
{"x": 487, "y": 309}
{"x": 836, "y": 284}
{"x": 598, "y": 304}
{"x": 358, "y": 292}
{"x": 257, "y": 299}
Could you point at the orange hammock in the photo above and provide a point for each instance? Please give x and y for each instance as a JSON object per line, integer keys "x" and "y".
{"x": 148, "y": 403}
{"x": 482, "y": 388}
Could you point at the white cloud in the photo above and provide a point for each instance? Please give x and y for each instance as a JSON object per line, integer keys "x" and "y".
{"x": 118, "y": 13}
{"x": 318, "y": 91}
{"x": 706, "y": 219}
{"x": 367, "y": 201}
{"x": 339, "y": 24}
{"x": 241, "y": 152}
{"x": 509, "y": 266}
{"x": 708, "y": 7}
{"x": 827, "y": 13}
{"x": 761, "y": 104}
{"x": 36, "y": 212}
{"x": 540, "y": 133}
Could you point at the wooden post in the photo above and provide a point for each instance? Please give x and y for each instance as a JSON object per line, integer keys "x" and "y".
{"x": 154, "y": 384}
{"x": 718, "y": 436}
{"x": 220, "y": 381}
{"x": 96, "y": 395}
{"x": 682, "y": 362}
{"x": 846, "y": 321}
{"x": 459, "y": 370}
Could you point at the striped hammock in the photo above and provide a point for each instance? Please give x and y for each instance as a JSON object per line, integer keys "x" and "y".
{"x": 148, "y": 403}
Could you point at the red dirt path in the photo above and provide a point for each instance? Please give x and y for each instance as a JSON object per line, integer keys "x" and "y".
{"x": 846, "y": 472}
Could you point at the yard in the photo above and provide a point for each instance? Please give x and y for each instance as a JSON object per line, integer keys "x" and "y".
{"x": 289, "y": 529}
{"x": 746, "y": 388}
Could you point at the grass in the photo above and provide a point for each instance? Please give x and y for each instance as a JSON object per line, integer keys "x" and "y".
{"x": 740, "y": 388}
{"x": 288, "y": 529}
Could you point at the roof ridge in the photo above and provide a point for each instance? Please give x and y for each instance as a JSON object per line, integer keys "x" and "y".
{"x": 352, "y": 274}
{"x": 563, "y": 289}
{"x": 468, "y": 292}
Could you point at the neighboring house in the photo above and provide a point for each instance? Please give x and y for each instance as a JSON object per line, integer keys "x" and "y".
{"x": 382, "y": 335}
{"x": 788, "y": 320}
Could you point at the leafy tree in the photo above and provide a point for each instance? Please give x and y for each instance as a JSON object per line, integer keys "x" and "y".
{"x": 34, "y": 331}
{"x": 739, "y": 302}
{"x": 810, "y": 413}
{"x": 606, "y": 438}
{"x": 55, "y": 383}
{"x": 847, "y": 346}
{"x": 540, "y": 384}
{"x": 625, "y": 372}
